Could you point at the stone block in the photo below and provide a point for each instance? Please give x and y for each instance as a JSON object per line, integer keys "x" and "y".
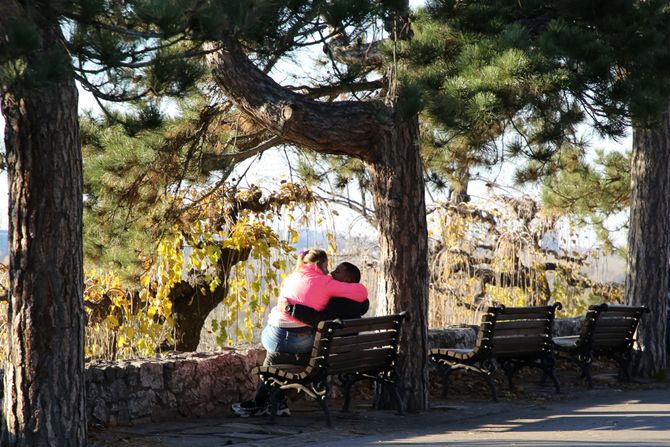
{"x": 100, "y": 412}
{"x": 151, "y": 375}
{"x": 118, "y": 390}
{"x": 452, "y": 337}
{"x": 141, "y": 404}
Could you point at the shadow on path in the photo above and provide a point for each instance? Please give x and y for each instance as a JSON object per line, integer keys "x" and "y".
{"x": 600, "y": 417}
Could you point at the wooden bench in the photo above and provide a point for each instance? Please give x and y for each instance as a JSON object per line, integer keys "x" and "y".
{"x": 607, "y": 331}
{"x": 509, "y": 337}
{"x": 353, "y": 350}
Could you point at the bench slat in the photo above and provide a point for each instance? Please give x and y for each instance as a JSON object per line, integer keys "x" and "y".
{"x": 599, "y": 338}
{"x": 527, "y": 310}
{"x": 616, "y": 331}
{"x": 520, "y": 344}
{"x": 521, "y": 323}
{"x": 528, "y": 331}
{"x": 360, "y": 356}
{"x": 363, "y": 341}
{"x": 370, "y": 360}
{"x": 339, "y": 338}
{"x": 349, "y": 330}
{"x": 615, "y": 322}
{"x": 542, "y": 316}
{"x": 358, "y": 322}
{"x": 357, "y": 347}
{"x": 633, "y": 313}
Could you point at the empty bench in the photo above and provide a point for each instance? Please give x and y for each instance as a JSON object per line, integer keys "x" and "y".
{"x": 607, "y": 331}
{"x": 353, "y": 350}
{"x": 509, "y": 337}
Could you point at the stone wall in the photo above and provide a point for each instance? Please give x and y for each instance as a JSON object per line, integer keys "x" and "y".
{"x": 453, "y": 337}
{"x": 187, "y": 384}
{"x": 203, "y": 384}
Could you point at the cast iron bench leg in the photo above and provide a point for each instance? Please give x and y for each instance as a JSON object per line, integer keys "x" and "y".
{"x": 492, "y": 386}
{"x": 347, "y": 382}
{"x": 445, "y": 381}
{"x": 324, "y": 406}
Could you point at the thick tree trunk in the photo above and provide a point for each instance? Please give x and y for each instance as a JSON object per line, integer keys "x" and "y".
{"x": 44, "y": 400}
{"x": 389, "y": 147}
{"x": 398, "y": 190}
{"x": 190, "y": 309}
{"x": 649, "y": 240}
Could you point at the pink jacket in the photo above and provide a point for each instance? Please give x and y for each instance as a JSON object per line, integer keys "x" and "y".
{"x": 311, "y": 287}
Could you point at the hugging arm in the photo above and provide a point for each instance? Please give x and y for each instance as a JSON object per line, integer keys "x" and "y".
{"x": 337, "y": 308}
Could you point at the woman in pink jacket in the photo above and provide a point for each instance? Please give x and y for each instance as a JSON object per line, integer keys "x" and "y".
{"x": 309, "y": 285}
{"x": 285, "y": 338}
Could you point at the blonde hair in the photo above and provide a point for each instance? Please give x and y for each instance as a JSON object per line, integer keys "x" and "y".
{"x": 312, "y": 256}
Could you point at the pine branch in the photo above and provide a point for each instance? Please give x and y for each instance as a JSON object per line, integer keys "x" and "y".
{"x": 342, "y": 127}
{"x": 337, "y": 89}
{"x": 365, "y": 55}
{"x": 115, "y": 29}
{"x": 212, "y": 162}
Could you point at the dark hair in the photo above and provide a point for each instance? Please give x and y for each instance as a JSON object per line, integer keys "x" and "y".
{"x": 353, "y": 271}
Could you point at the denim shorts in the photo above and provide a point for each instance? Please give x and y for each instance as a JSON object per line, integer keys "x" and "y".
{"x": 289, "y": 340}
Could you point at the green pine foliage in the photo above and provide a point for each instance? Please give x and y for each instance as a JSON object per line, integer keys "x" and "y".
{"x": 124, "y": 196}
{"x": 515, "y": 79}
{"x": 137, "y": 168}
{"x": 493, "y": 80}
{"x": 590, "y": 193}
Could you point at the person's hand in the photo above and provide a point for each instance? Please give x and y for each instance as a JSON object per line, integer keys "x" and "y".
{"x": 282, "y": 303}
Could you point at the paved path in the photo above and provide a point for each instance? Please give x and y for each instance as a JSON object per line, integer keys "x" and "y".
{"x": 640, "y": 418}
{"x": 601, "y": 417}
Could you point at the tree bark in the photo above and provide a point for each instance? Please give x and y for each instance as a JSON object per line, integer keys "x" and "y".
{"x": 44, "y": 390}
{"x": 190, "y": 309}
{"x": 341, "y": 127}
{"x": 649, "y": 240}
{"x": 388, "y": 143}
{"x": 398, "y": 190}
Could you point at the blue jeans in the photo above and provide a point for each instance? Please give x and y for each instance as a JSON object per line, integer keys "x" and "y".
{"x": 288, "y": 340}
{"x": 284, "y": 346}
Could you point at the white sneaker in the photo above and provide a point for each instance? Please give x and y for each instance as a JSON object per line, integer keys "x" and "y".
{"x": 250, "y": 409}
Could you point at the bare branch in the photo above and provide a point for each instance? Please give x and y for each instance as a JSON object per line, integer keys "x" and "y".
{"x": 212, "y": 162}
{"x": 337, "y": 89}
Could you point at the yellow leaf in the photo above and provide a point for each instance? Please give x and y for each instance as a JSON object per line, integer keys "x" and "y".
{"x": 294, "y": 236}
{"x": 112, "y": 321}
{"x": 152, "y": 311}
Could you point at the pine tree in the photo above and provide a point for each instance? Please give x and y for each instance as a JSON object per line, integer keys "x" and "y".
{"x": 44, "y": 393}
{"x": 591, "y": 193}
{"x": 609, "y": 62}
{"x": 44, "y": 399}
{"x": 535, "y": 66}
